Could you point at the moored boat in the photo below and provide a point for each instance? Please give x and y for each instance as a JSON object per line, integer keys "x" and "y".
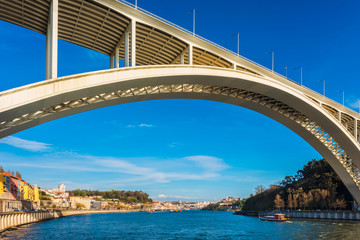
{"x": 279, "y": 217}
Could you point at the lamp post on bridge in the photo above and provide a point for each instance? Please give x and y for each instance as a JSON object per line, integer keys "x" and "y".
{"x": 323, "y": 85}
{"x": 135, "y": 4}
{"x": 193, "y": 11}
{"x": 238, "y": 42}
{"x": 272, "y": 60}
{"x": 301, "y": 80}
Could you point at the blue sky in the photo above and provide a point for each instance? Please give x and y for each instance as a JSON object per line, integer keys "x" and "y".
{"x": 186, "y": 149}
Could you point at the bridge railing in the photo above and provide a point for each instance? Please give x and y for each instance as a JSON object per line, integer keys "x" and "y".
{"x": 204, "y": 39}
{"x": 214, "y": 44}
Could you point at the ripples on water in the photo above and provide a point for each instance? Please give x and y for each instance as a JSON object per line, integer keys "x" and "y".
{"x": 186, "y": 225}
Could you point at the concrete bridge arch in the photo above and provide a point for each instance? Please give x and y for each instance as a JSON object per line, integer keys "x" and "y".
{"x": 34, "y": 104}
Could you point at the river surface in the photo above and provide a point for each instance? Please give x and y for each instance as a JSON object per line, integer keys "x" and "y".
{"x": 185, "y": 225}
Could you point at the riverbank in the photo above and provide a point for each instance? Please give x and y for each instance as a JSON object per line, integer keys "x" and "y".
{"x": 14, "y": 219}
{"x": 335, "y": 215}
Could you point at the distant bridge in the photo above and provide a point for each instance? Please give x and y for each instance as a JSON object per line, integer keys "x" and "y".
{"x": 164, "y": 61}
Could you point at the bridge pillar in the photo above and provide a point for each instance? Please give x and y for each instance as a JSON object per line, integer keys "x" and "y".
{"x": 111, "y": 61}
{"x": 182, "y": 60}
{"x": 190, "y": 54}
{"x": 117, "y": 57}
{"x": 355, "y": 129}
{"x": 126, "y": 47}
{"x": 52, "y": 41}
{"x": 133, "y": 43}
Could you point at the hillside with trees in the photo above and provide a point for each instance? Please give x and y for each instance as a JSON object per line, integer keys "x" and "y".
{"x": 124, "y": 196}
{"x": 316, "y": 186}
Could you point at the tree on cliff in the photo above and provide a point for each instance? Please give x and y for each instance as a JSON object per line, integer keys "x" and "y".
{"x": 316, "y": 186}
{"x": 259, "y": 189}
{"x": 279, "y": 203}
{"x": 290, "y": 202}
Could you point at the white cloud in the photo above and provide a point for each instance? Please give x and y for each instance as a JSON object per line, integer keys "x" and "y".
{"x": 175, "y": 145}
{"x": 140, "y": 125}
{"x": 131, "y": 171}
{"x": 162, "y": 196}
{"x": 145, "y": 125}
{"x": 209, "y": 163}
{"x": 26, "y": 144}
{"x": 122, "y": 166}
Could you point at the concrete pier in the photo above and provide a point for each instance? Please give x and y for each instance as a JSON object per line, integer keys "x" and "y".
{"x": 15, "y": 219}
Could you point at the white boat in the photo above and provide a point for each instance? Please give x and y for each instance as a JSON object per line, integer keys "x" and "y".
{"x": 278, "y": 217}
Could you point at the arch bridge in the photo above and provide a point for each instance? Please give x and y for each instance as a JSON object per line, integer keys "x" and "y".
{"x": 163, "y": 61}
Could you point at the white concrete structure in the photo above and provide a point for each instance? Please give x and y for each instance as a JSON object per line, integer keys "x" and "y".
{"x": 187, "y": 66}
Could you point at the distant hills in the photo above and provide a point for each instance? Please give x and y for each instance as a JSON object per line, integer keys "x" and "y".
{"x": 124, "y": 196}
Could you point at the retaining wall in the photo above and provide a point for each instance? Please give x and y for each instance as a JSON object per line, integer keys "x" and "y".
{"x": 14, "y": 219}
{"x": 340, "y": 215}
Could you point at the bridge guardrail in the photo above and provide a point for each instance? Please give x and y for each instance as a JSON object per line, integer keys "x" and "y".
{"x": 204, "y": 39}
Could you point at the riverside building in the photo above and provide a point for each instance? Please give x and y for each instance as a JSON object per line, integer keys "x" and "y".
{"x": 16, "y": 194}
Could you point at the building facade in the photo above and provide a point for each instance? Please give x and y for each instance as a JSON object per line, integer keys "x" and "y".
{"x": 75, "y": 202}
{"x": 16, "y": 194}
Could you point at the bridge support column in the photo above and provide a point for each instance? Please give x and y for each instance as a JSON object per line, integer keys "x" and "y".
{"x": 339, "y": 116}
{"x": 133, "y": 43}
{"x": 355, "y": 129}
{"x": 190, "y": 54}
{"x": 182, "y": 58}
{"x": 111, "y": 61}
{"x": 126, "y": 48}
{"x": 117, "y": 57}
{"x": 52, "y": 41}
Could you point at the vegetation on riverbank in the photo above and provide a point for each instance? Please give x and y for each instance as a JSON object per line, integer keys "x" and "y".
{"x": 316, "y": 186}
{"x": 123, "y": 196}
{"x": 233, "y": 205}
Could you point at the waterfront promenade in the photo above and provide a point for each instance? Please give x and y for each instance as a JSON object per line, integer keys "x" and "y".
{"x": 14, "y": 219}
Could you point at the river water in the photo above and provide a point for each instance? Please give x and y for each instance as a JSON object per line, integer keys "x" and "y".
{"x": 185, "y": 225}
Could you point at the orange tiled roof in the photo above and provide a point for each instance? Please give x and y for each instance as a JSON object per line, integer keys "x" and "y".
{"x": 9, "y": 175}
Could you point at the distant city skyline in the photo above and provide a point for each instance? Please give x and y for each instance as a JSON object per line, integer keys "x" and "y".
{"x": 186, "y": 149}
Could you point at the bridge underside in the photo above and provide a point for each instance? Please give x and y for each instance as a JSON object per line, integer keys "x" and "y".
{"x": 70, "y": 95}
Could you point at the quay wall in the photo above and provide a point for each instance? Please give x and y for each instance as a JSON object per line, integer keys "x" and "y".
{"x": 339, "y": 215}
{"x": 14, "y": 219}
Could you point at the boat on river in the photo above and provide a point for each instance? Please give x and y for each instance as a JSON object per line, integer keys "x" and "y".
{"x": 175, "y": 210}
{"x": 278, "y": 217}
